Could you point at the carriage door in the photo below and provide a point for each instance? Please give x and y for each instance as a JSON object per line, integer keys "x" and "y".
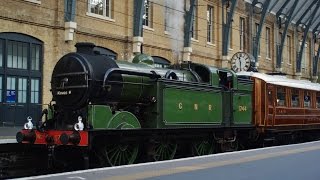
{"x": 271, "y": 106}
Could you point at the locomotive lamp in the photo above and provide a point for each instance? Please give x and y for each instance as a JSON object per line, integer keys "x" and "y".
{"x": 79, "y": 126}
{"x": 29, "y": 124}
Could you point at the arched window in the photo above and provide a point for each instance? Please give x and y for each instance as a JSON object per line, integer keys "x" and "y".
{"x": 106, "y": 51}
{"x": 160, "y": 62}
{"x": 20, "y": 78}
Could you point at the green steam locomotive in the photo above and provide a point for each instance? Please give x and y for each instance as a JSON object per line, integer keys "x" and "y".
{"x": 115, "y": 112}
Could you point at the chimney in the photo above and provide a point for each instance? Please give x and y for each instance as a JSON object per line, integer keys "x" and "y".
{"x": 85, "y": 47}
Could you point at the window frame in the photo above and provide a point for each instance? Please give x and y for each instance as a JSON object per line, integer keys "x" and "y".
{"x": 309, "y": 94}
{"x": 289, "y": 49}
{"x": 295, "y": 92}
{"x": 278, "y": 99}
{"x": 147, "y": 20}
{"x": 104, "y": 15}
{"x": 268, "y": 42}
{"x": 210, "y": 24}
{"x": 242, "y": 33}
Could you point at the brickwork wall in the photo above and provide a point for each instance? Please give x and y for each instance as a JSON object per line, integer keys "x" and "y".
{"x": 45, "y": 21}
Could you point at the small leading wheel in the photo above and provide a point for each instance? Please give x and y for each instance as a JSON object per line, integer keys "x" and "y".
{"x": 202, "y": 147}
{"x": 120, "y": 154}
{"x": 164, "y": 150}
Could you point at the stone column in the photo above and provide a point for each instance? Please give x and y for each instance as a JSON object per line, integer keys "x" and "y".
{"x": 137, "y": 42}
{"x": 314, "y": 79}
{"x": 225, "y": 62}
{"x": 186, "y": 54}
{"x": 298, "y": 75}
{"x": 69, "y": 28}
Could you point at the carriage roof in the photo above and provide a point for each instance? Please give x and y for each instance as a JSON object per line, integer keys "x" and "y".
{"x": 283, "y": 81}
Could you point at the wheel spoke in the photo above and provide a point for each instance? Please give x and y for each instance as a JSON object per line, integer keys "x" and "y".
{"x": 164, "y": 150}
{"x": 121, "y": 154}
{"x": 202, "y": 147}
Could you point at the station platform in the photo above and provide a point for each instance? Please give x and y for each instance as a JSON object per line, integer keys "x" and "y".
{"x": 294, "y": 162}
{"x": 8, "y": 134}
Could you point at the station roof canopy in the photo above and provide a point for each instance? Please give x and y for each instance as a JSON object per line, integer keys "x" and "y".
{"x": 304, "y": 11}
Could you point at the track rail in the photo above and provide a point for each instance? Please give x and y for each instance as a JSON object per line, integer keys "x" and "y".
{"x": 18, "y": 160}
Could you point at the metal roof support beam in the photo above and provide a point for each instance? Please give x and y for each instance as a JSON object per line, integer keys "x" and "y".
{"x": 69, "y": 10}
{"x": 305, "y": 12}
{"x": 284, "y": 33}
{"x": 189, "y": 23}
{"x": 298, "y": 62}
{"x": 138, "y": 17}
{"x": 264, "y": 7}
{"x": 226, "y": 26}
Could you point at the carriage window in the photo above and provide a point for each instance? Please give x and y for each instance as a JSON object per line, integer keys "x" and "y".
{"x": 295, "y": 98}
{"x": 318, "y": 100}
{"x": 307, "y": 99}
{"x": 281, "y": 96}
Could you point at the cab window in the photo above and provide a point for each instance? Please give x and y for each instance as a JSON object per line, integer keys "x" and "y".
{"x": 295, "y": 100}
{"x": 307, "y": 99}
{"x": 281, "y": 96}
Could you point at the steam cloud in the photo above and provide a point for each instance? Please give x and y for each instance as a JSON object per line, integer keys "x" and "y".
{"x": 174, "y": 22}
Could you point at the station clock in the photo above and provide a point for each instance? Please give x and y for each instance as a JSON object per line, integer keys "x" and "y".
{"x": 241, "y": 61}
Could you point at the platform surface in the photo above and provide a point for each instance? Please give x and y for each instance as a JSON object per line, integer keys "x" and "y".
{"x": 294, "y": 162}
{"x": 8, "y": 134}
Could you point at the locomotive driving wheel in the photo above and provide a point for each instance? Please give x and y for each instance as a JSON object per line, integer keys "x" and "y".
{"x": 202, "y": 147}
{"x": 120, "y": 153}
{"x": 164, "y": 150}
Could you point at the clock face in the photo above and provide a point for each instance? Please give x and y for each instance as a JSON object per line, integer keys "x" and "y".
{"x": 240, "y": 61}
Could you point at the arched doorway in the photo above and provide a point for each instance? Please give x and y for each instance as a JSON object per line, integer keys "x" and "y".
{"x": 160, "y": 62}
{"x": 20, "y": 78}
{"x": 106, "y": 51}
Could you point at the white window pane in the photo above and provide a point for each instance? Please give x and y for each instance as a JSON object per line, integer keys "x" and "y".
{"x": 24, "y": 99}
{"x": 37, "y": 58}
{"x": 9, "y": 57}
{"x": 0, "y": 88}
{"x": 96, "y": 6}
{"x": 20, "y": 84}
{"x": 1, "y": 54}
{"x": 11, "y": 81}
{"x": 32, "y": 97}
{"x": 32, "y": 84}
{"x": 24, "y": 55}
{"x": 20, "y": 55}
{"x": 19, "y": 96}
{"x": 14, "y": 55}
{"x": 36, "y": 85}
{"x": 36, "y": 97}
{"x": 25, "y": 84}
